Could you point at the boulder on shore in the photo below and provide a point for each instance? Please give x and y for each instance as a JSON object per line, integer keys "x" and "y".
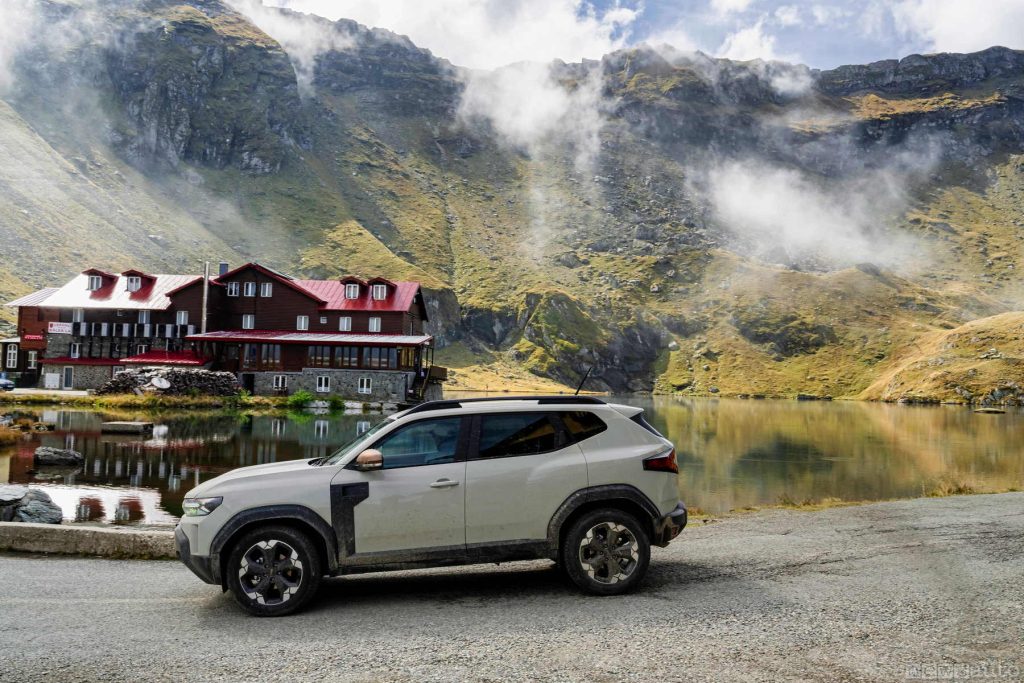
{"x": 45, "y": 455}
{"x": 22, "y": 504}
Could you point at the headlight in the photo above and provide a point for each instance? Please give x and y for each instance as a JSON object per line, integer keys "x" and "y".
{"x": 198, "y": 507}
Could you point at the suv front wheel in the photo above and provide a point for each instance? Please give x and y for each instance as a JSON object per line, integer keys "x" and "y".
{"x": 273, "y": 571}
{"x": 606, "y": 552}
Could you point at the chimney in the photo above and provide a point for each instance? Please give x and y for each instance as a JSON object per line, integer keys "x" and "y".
{"x": 223, "y": 268}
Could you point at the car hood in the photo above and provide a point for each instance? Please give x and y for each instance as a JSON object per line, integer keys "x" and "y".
{"x": 243, "y": 473}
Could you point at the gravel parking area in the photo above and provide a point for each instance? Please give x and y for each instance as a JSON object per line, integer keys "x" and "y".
{"x": 928, "y": 589}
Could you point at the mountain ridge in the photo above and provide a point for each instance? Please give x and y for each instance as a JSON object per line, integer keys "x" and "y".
{"x": 642, "y": 226}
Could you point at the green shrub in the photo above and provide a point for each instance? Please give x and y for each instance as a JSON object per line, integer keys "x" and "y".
{"x": 299, "y": 399}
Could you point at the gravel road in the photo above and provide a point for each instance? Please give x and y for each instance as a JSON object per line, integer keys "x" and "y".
{"x": 927, "y": 589}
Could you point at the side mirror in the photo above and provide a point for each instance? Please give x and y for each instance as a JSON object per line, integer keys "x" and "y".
{"x": 368, "y": 460}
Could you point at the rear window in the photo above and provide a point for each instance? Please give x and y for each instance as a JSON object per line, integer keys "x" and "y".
{"x": 581, "y": 425}
{"x": 508, "y": 434}
{"x": 642, "y": 421}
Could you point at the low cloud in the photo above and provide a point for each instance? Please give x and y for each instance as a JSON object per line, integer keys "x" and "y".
{"x": 303, "y": 36}
{"x": 788, "y": 215}
{"x": 16, "y": 29}
{"x": 957, "y": 26}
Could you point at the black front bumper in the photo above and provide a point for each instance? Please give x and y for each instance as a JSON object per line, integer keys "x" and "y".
{"x": 200, "y": 566}
{"x": 669, "y": 526}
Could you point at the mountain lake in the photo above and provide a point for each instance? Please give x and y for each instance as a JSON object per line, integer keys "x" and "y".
{"x": 733, "y": 454}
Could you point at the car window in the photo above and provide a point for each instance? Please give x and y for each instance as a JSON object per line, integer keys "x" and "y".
{"x": 510, "y": 434}
{"x": 582, "y": 424}
{"x": 425, "y": 442}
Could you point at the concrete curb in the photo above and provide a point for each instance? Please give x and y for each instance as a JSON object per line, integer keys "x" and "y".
{"x": 65, "y": 539}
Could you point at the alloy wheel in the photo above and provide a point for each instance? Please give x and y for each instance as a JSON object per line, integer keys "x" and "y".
{"x": 609, "y": 552}
{"x": 270, "y": 572}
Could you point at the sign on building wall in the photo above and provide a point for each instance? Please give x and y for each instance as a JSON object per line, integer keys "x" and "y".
{"x": 59, "y": 328}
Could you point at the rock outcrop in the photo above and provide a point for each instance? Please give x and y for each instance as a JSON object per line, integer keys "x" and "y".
{"x": 46, "y": 456}
{"x": 22, "y": 504}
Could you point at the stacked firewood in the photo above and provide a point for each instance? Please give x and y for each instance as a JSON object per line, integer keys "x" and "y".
{"x": 172, "y": 382}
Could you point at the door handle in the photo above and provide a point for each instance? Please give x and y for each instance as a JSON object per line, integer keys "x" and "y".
{"x": 443, "y": 484}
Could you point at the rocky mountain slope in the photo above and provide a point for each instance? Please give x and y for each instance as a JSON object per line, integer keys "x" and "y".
{"x": 679, "y": 223}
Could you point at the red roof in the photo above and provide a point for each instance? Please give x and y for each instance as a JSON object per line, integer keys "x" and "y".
{"x": 269, "y": 272}
{"x": 285, "y": 337}
{"x": 166, "y": 358}
{"x": 67, "y": 360}
{"x": 114, "y": 293}
{"x": 399, "y": 298}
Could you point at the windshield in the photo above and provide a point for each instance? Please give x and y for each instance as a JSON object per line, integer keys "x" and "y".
{"x": 359, "y": 438}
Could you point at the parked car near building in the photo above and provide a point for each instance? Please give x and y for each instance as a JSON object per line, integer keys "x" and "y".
{"x": 360, "y": 338}
{"x": 6, "y": 385}
{"x": 587, "y": 484}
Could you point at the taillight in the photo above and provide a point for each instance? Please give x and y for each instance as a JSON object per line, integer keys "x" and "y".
{"x": 665, "y": 462}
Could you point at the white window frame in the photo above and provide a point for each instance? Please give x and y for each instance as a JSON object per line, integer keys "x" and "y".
{"x": 280, "y": 382}
{"x": 351, "y": 290}
{"x": 323, "y": 384}
{"x": 365, "y": 385}
{"x": 345, "y": 323}
{"x": 233, "y": 288}
{"x": 144, "y": 317}
{"x": 31, "y": 360}
{"x": 141, "y": 349}
{"x": 249, "y": 288}
{"x": 117, "y": 370}
{"x": 248, "y": 321}
{"x": 302, "y": 322}
{"x": 75, "y": 350}
{"x": 266, "y": 289}
{"x": 12, "y": 356}
{"x": 323, "y": 320}
{"x": 133, "y": 283}
{"x": 78, "y": 315}
{"x": 181, "y": 318}
{"x": 374, "y": 324}
{"x": 95, "y": 282}
{"x": 380, "y": 292}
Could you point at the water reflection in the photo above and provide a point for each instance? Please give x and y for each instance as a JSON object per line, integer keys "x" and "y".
{"x": 128, "y": 479}
{"x": 736, "y": 453}
{"x": 732, "y": 453}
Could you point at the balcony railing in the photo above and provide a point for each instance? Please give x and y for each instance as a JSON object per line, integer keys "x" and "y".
{"x": 132, "y": 330}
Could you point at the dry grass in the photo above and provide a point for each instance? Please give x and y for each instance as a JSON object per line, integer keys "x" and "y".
{"x": 875, "y": 107}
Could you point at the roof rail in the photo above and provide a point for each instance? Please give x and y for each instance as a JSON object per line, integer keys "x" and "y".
{"x": 541, "y": 400}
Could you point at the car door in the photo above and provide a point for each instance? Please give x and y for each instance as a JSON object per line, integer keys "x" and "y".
{"x": 521, "y": 468}
{"x": 416, "y": 502}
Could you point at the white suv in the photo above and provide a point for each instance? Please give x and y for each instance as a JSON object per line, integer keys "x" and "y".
{"x": 587, "y": 484}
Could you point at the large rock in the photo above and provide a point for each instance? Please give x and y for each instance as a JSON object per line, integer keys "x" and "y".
{"x": 22, "y": 504}
{"x": 57, "y": 456}
{"x": 38, "y": 508}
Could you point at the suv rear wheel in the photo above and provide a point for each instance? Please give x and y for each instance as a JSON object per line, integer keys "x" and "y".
{"x": 606, "y": 552}
{"x": 273, "y": 571}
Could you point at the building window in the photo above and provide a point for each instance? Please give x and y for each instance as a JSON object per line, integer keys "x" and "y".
{"x": 346, "y": 357}
{"x": 232, "y": 289}
{"x": 78, "y": 315}
{"x": 249, "y": 289}
{"x": 365, "y": 385}
{"x": 143, "y": 317}
{"x": 248, "y": 321}
{"x": 95, "y": 282}
{"x": 323, "y": 384}
{"x": 31, "y": 360}
{"x": 380, "y": 292}
{"x": 302, "y": 322}
{"x": 134, "y": 283}
{"x": 267, "y": 290}
{"x": 362, "y": 427}
{"x": 280, "y": 382}
{"x": 118, "y": 369}
{"x": 345, "y": 324}
{"x": 374, "y": 324}
{"x": 323, "y": 320}
{"x": 270, "y": 356}
{"x": 182, "y": 318}
{"x": 352, "y": 291}
{"x": 12, "y": 356}
{"x": 319, "y": 356}
{"x": 76, "y": 350}
{"x": 141, "y": 349}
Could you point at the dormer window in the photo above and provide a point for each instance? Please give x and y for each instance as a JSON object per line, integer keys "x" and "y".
{"x": 266, "y": 289}
{"x": 134, "y": 283}
{"x": 380, "y": 292}
{"x": 232, "y": 289}
{"x": 352, "y": 291}
{"x": 249, "y": 289}
{"x": 95, "y": 282}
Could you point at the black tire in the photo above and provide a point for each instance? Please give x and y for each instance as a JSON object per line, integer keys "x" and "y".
{"x": 294, "y": 575}
{"x": 602, "y": 568}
